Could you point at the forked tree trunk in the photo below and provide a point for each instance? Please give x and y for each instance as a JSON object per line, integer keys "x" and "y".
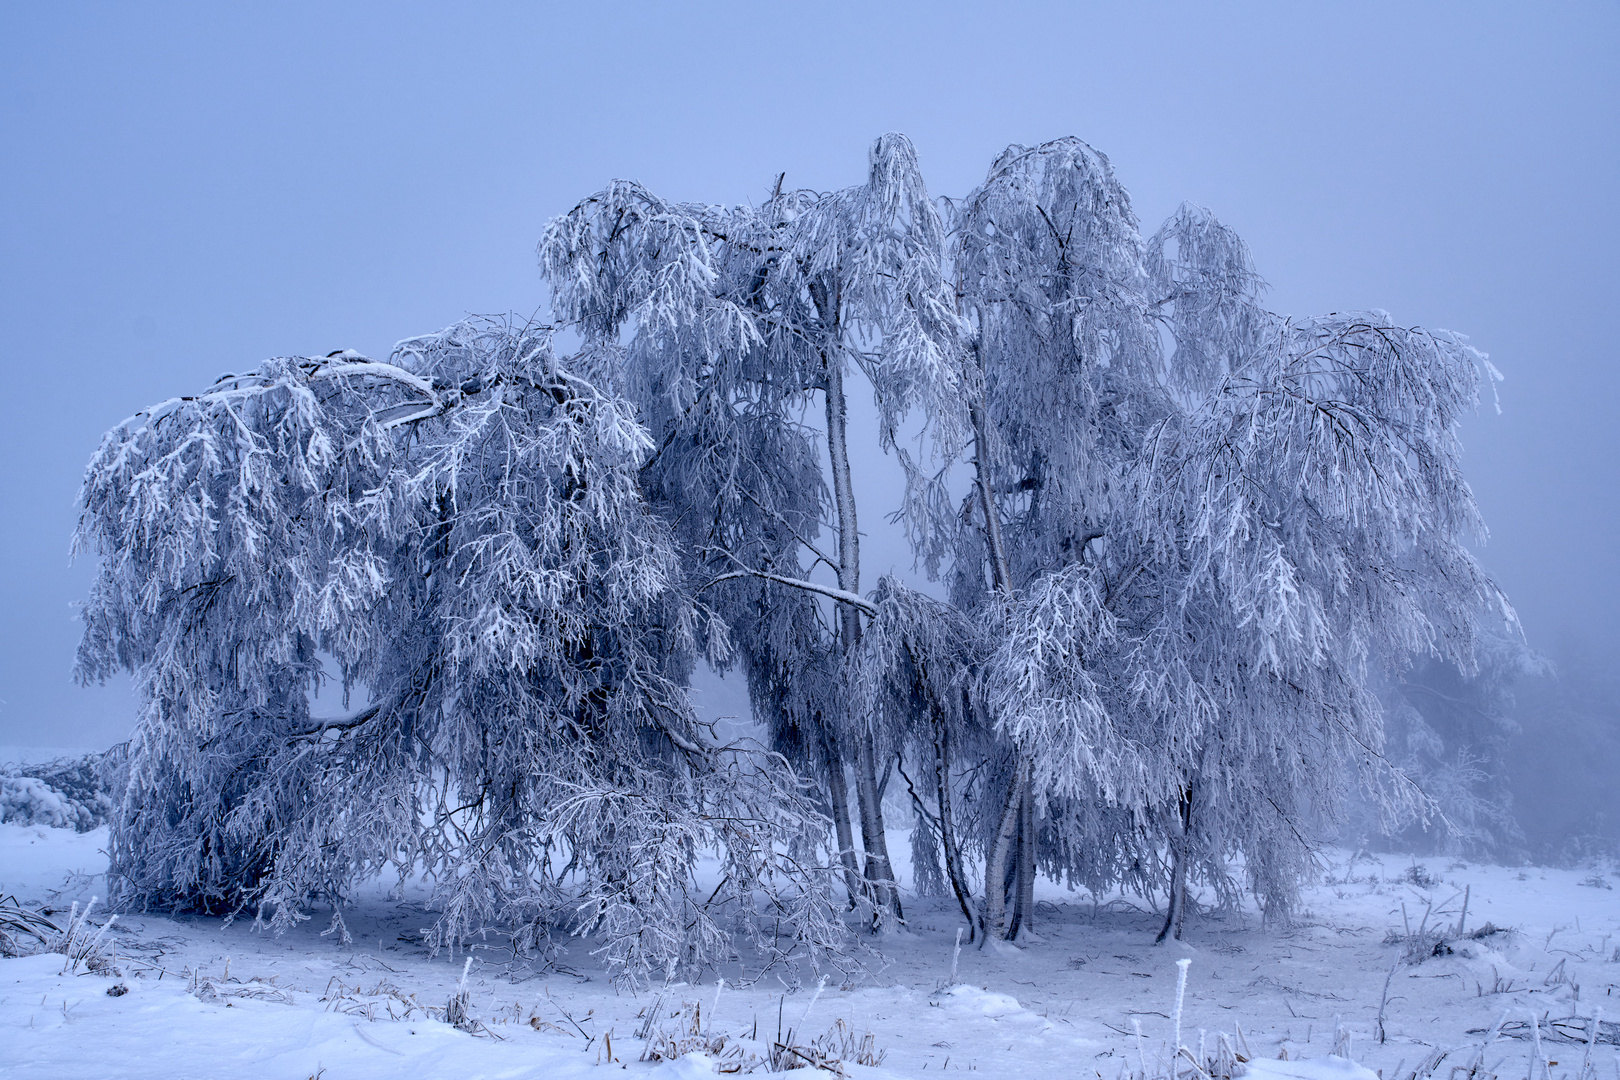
{"x": 879, "y": 874}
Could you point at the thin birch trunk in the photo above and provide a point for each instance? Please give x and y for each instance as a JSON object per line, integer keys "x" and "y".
{"x": 1178, "y": 897}
{"x": 1000, "y": 568}
{"x": 947, "y": 830}
{"x": 1020, "y": 799}
{"x": 879, "y": 872}
{"x": 838, "y": 795}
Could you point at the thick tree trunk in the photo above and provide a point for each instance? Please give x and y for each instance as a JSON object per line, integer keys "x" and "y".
{"x": 879, "y": 872}
{"x": 1000, "y": 855}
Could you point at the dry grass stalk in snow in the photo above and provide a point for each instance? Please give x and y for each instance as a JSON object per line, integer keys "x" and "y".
{"x": 83, "y": 948}
{"x": 24, "y": 931}
{"x": 671, "y": 1035}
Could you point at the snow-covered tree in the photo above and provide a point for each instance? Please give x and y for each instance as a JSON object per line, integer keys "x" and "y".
{"x": 462, "y": 529}
{"x": 1208, "y": 526}
{"x": 733, "y": 321}
{"x": 1303, "y": 525}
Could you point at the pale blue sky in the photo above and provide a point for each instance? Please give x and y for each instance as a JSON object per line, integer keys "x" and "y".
{"x": 185, "y": 189}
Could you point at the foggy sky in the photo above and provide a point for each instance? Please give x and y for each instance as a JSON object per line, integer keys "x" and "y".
{"x": 185, "y": 190}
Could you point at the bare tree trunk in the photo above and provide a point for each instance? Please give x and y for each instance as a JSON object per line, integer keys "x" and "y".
{"x": 879, "y": 871}
{"x": 947, "y": 830}
{"x": 1024, "y": 900}
{"x": 838, "y": 795}
{"x": 1176, "y": 910}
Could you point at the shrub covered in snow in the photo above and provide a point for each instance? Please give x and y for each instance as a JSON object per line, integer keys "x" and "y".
{"x": 67, "y": 793}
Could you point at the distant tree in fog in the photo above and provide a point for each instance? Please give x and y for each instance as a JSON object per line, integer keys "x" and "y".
{"x": 1452, "y": 733}
{"x": 1563, "y": 761}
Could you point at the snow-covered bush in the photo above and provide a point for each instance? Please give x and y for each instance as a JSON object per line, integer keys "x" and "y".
{"x": 68, "y": 793}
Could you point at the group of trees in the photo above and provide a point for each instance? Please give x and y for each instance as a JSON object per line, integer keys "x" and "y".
{"x": 1180, "y": 541}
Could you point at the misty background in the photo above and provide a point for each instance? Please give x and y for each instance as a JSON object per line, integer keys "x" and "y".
{"x": 186, "y": 190}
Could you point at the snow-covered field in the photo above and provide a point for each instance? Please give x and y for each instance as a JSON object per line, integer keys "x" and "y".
{"x": 208, "y": 1000}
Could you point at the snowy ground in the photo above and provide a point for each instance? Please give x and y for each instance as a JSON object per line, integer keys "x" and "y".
{"x": 208, "y": 1000}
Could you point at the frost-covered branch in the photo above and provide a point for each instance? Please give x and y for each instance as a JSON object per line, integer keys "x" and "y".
{"x": 854, "y": 601}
